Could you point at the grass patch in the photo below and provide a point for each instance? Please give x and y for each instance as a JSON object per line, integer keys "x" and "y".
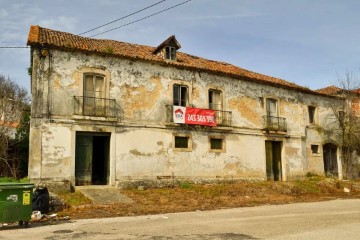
{"x": 74, "y": 198}
{"x": 185, "y": 185}
{"x": 10, "y": 179}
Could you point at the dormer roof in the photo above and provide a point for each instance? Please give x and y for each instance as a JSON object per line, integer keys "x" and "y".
{"x": 170, "y": 42}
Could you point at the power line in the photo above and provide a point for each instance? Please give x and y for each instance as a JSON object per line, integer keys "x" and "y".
{"x": 122, "y": 17}
{"x": 141, "y": 18}
{"x": 14, "y": 47}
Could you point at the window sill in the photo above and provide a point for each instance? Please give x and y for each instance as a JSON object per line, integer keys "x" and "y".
{"x": 182, "y": 150}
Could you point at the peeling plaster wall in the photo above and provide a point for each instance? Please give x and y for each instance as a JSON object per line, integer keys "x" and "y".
{"x": 56, "y": 153}
{"x": 142, "y": 141}
{"x": 159, "y": 159}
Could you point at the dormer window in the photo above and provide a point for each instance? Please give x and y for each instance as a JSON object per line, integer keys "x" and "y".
{"x": 170, "y": 53}
{"x": 167, "y": 49}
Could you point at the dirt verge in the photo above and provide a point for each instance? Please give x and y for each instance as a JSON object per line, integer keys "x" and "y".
{"x": 190, "y": 197}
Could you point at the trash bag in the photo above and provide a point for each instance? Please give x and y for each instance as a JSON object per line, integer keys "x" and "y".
{"x": 41, "y": 199}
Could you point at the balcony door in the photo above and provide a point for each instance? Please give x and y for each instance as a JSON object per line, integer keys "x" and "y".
{"x": 272, "y": 114}
{"x": 94, "y": 95}
{"x": 215, "y": 103}
{"x": 271, "y": 107}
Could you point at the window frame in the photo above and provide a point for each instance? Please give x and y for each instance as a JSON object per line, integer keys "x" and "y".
{"x": 180, "y": 99}
{"x": 211, "y": 93}
{"x": 341, "y": 117}
{"x": 312, "y": 114}
{"x": 79, "y": 77}
{"x": 188, "y": 136}
{"x": 317, "y": 152}
{"x": 268, "y": 113}
{"x": 170, "y": 53}
{"x": 223, "y": 143}
{"x": 94, "y": 78}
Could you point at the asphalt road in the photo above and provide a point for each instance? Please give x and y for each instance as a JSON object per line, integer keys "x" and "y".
{"x": 338, "y": 219}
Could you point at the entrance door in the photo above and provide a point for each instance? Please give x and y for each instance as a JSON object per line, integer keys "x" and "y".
{"x": 330, "y": 159}
{"x": 273, "y": 160}
{"x": 92, "y": 158}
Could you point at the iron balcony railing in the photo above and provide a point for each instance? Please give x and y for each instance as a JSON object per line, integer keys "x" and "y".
{"x": 98, "y": 107}
{"x": 275, "y": 123}
{"x": 223, "y": 118}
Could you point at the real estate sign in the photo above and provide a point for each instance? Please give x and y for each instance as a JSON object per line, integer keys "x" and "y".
{"x": 197, "y": 116}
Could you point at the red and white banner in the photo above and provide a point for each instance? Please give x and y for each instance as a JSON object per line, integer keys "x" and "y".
{"x": 195, "y": 116}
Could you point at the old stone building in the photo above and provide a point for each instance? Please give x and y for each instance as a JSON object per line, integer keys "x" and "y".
{"x": 346, "y": 135}
{"x": 115, "y": 113}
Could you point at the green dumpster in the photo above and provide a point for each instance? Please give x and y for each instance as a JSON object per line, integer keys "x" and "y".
{"x": 15, "y": 202}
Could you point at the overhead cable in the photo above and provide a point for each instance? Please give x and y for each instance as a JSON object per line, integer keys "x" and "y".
{"x": 141, "y": 18}
{"x": 122, "y": 17}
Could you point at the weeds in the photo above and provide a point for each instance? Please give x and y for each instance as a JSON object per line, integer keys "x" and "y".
{"x": 74, "y": 198}
{"x": 10, "y": 179}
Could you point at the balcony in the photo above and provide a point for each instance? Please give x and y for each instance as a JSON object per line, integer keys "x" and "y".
{"x": 96, "y": 107}
{"x": 223, "y": 118}
{"x": 277, "y": 124}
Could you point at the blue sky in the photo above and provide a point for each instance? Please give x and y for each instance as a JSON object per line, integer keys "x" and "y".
{"x": 309, "y": 42}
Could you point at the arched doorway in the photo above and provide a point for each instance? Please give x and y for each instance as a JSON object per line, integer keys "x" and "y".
{"x": 330, "y": 159}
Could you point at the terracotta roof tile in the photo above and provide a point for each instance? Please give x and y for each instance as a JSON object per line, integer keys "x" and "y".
{"x": 39, "y": 36}
{"x": 331, "y": 90}
{"x": 357, "y": 91}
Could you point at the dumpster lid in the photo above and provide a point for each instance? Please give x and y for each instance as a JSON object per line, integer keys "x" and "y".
{"x": 15, "y": 185}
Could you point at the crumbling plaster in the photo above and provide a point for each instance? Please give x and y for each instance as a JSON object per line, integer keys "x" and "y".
{"x": 141, "y": 144}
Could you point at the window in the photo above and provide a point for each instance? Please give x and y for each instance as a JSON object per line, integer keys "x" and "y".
{"x": 314, "y": 149}
{"x": 217, "y": 143}
{"x": 215, "y": 101}
{"x": 94, "y": 86}
{"x": 94, "y": 94}
{"x": 271, "y": 107}
{"x": 170, "y": 53}
{"x": 311, "y": 111}
{"x": 180, "y": 95}
{"x": 182, "y": 142}
{"x": 341, "y": 118}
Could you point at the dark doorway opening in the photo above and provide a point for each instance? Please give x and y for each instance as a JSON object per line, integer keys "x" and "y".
{"x": 330, "y": 159}
{"x": 92, "y": 158}
{"x": 273, "y": 160}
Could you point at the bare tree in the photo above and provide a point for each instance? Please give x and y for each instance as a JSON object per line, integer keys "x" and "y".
{"x": 345, "y": 130}
{"x": 13, "y": 100}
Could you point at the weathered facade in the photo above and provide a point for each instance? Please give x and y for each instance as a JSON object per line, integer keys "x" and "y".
{"x": 103, "y": 113}
{"x": 346, "y": 134}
